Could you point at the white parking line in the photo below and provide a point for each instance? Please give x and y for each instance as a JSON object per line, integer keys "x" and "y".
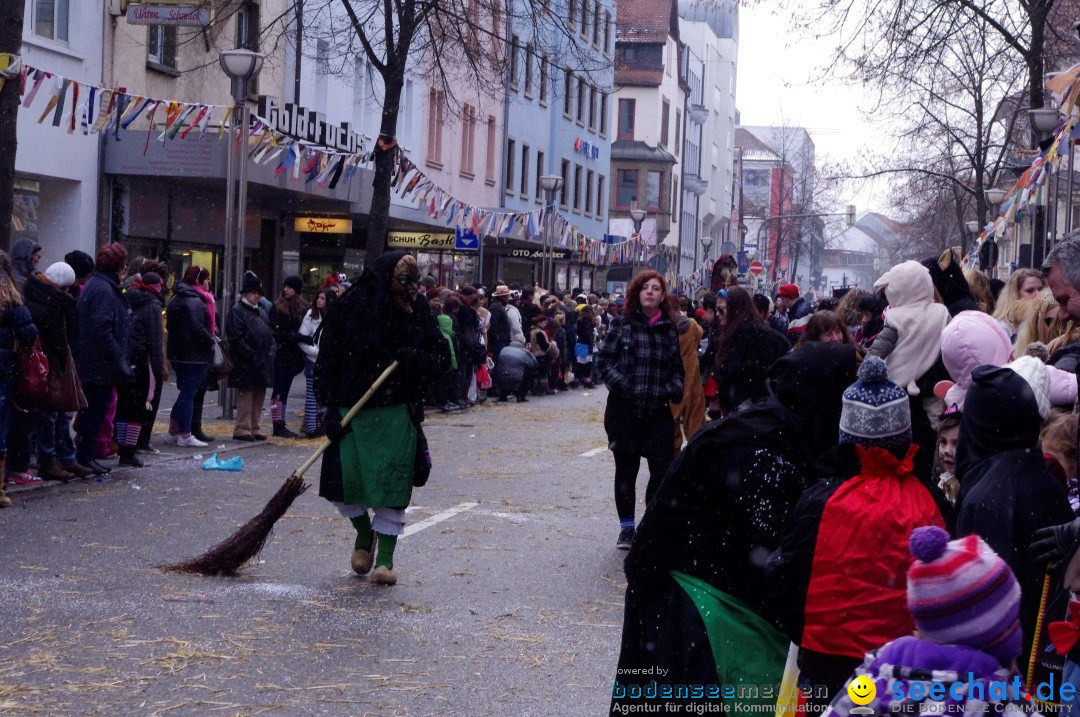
{"x": 593, "y": 452}
{"x": 438, "y": 518}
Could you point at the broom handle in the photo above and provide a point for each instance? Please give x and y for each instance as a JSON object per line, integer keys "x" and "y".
{"x": 326, "y": 442}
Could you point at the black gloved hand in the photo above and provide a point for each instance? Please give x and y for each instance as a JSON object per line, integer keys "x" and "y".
{"x": 333, "y": 428}
{"x": 408, "y": 357}
{"x": 1055, "y": 543}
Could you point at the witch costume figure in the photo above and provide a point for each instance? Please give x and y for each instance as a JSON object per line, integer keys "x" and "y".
{"x": 369, "y": 471}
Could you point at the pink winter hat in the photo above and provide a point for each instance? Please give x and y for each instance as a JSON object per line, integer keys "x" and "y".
{"x": 971, "y": 339}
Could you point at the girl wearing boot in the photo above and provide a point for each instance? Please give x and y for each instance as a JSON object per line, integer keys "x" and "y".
{"x": 375, "y": 461}
{"x": 286, "y": 316}
{"x": 200, "y": 283}
{"x": 309, "y": 344}
{"x": 190, "y": 350}
{"x": 147, "y": 363}
{"x": 15, "y": 325}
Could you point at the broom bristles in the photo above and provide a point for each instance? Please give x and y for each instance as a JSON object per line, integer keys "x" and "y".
{"x": 226, "y": 557}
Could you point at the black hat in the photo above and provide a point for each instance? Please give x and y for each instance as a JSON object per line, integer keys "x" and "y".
{"x": 251, "y": 283}
{"x": 81, "y": 262}
{"x": 295, "y": 283}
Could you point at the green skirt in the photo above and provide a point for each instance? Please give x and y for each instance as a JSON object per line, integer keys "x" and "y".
{"x": 378, "y": 458}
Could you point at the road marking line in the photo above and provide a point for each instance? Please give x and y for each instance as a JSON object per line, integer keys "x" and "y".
{"x": 593, "y": 452}
{"x": 438, "y": 518}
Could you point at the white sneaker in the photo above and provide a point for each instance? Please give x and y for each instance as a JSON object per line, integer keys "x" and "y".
{"x": 172, "y": 438}
{"x": 191, "y": 442}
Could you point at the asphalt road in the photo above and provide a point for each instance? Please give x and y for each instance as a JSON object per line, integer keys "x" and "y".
{"x": 509, "y": 600}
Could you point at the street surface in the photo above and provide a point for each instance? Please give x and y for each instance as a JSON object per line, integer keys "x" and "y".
{"x": 509, "y": 600}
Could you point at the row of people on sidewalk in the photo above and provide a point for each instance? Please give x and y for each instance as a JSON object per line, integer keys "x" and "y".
{"x": 797, "y": 515}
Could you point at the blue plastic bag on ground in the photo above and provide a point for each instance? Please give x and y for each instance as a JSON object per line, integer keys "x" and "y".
{"x": 213, "y": 463}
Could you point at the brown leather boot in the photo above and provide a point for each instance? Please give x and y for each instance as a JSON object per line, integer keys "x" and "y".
{"x": 5, "y": 502}
{"x": 53, "y": 471}
{"x": 79, "y": 470}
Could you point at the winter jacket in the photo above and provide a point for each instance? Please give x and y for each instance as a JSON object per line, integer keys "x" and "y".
{"x": 286, "y": 331}
{"x": 1006, "y": 491}
{"x": 55, "y": 313}
{"x": 724, "y": 503}
{"x": 446, "y": 328}
{"x": 146, "y": 339}
{"x": 541, "y": 344}
{"x": 499, "y": 330}
{"x": 251, "y": 347}
{"x": 15, "y": 325}
{"x": 363, "y": 332}
{"x": 104, "y": 321}
{"x": 900, "y": 665}
{"x": 641, "y": 364}
{"x": 307, "y": 336}
{"x": 838, "y": 582}
{"x": 918, "y": 321}
{"x": 517, "y": 332}
{"x": 468, "y": 326}
{"x": 798, "y": 311}
{"x": 188, "y": 321}
{"x": 514, "y": 359}
{"x": 753, "y": 349}
{"x": 21, "y": 255}
{"x": 1067, "y": 358}
{"x": 585, "y": 331}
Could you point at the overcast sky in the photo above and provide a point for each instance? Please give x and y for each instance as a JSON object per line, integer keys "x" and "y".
{"x": 775, "y": 86}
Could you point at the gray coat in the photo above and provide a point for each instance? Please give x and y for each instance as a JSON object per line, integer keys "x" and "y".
{"x": 510, "y": 368}
{"x": 251, "y": 347}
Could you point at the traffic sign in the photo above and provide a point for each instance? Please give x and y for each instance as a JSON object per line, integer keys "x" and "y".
{"x": 757, "y": 268}
{"x": 465, "y": 240}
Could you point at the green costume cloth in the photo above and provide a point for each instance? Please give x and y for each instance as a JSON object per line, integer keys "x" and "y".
{"x": 446, "y": 328}
{"x": 378, "y": 457}
{"x": 748, "y": 651}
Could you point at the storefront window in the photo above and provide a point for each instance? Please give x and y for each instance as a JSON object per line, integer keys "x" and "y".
{"x": 183, "y": 257}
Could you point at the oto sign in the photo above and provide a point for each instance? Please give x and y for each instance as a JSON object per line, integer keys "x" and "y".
{"x": 757, "y": 268}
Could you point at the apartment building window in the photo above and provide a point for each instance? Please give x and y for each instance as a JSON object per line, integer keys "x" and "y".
{"x": 539, "y": 173}
{"x": 626, "y": 188}
{"x": 435, "y": 127}
{"x": 247, "y": 27}
{"x": 161, "y": 45}
{"x": 568, "y": 93}
{"x": 51, "y": 19}
{"x": 678, "y": 130}
{"x": 607, "y": 33}
{"x": 564, "y": 172}
{"x": 571, "y": 13}
{"x": 581, "y": 101}
{"x": 524, "y": 171}
{"x": 515, "y": 52}
{"x": 588, "y": 191}
{"x": 627, "y": 109}
{"x": 511, "y": 149}
{"x": 592, "y": 108}
{"x": 468, "y": 140}
{"x": 596, "y": 25}
{"x": 585, "y": 18}
{"x": 544, "y": 70}
{"x": 600, "y": 196}
{"x": 665, "y": 110}
{"x": 653, "y": 182}
{"x": 577, "y": 187}
{"x": 603, "y": 114}
{"x": 676, "y": 200}
{"x": 529, "y": 70}
{"x": 489, "y": 170}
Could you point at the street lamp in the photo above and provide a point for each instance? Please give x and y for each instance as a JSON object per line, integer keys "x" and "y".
{"x": 1044, "y": 120}
{"x": 550, "y": 183}
{"x": 241, "y": 66}
{"x": 638, "y": 217}
{"x": 706, "y": 243}
{"x": 994, "y": 196}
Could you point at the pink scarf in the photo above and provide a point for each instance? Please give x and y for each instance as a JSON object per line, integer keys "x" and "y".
{"x": 211, "y": 306}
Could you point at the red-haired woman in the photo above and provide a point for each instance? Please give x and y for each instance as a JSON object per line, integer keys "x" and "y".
{"x": 642, "y": 367}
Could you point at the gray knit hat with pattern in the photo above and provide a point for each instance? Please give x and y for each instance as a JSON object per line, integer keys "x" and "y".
{"x": 875, "y": 410}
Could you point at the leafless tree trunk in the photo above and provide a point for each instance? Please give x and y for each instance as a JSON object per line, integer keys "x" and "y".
{"x": 11, "y": 25}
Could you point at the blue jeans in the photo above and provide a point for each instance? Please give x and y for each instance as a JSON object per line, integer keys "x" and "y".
{"x": 98, "y": 398}
{"x": 1071, "y": 673}
{"x": 54, "y": 438}
{"x": 7, "y": 388}
{"x": 189, "y": 377}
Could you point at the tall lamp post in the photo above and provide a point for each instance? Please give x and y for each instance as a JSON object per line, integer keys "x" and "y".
{"x": 241, "y": 66}
{"x": 706, "y": 244}
{"x": 638, "y": 217}
{"x": 973, "y": 228}
{"x": 994, "y": 197}
{"x": 1043, "y": 120}
{"x": 550, "y": 183}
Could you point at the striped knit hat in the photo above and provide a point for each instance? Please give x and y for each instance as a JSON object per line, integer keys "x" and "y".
{"x": 963, "y": 593}
{"x": 875, "y": 410}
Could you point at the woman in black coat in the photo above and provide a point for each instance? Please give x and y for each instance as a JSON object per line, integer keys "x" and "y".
{"x": 104, "y": 335}
{"x": 643, "y": 369}
{"x": 191, "y": 350}
{"x": 251, "y": 348}
{"x": 285, "y": 319}
{"x": 147, "y": 363}
{"x": 15, "y": 325}
{"x": 745, "y": 349}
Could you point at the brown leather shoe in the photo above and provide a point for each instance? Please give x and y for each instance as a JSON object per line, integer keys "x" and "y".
{"x": 384, "y": 576}
{"x": 362, "y": 559}
{"x": 53, "y": 471}
{"x": 79, "y": 470}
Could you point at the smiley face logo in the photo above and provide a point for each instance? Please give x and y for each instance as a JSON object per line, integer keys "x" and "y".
{"x": 862, "y": 690}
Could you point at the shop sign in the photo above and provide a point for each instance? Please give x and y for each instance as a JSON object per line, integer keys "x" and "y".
{"x": 420, "y": 240}
{"x": 323, "y": 225}
{"x": 308, "y": 125}
{"x": 587, "y": 148}
{"x": 162, "y": 14}
{"x": 540, "y": 254}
